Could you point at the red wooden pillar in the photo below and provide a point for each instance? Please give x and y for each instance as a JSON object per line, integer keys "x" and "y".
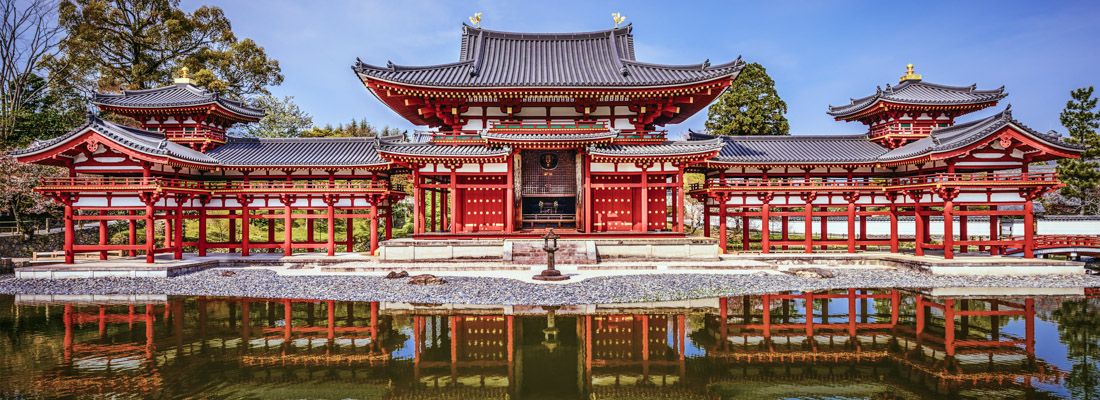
{"x": 510, "y": 196}
{"x": 644, "y": 206}
{"x": 232, "y": 225}
{"x": 948, "y": 228}
{"x": 168, "y": 228}
{"x": 288, "y": 225}
{"x": 706, "y": 217}
{"x": 824, "y": 227}
{"x": 245, "y": 224}
{"x": 678, "y": 195}
{"x": 963, "y": 234}
{"x": 431, "y": 208}
{"x": 588, "y": 193}
{"x": 863, "y": 228}
{"x": 722, "y": 239}
{"x": 310, "y": 228}
{"x": 270, "y": 229}
{"x": 745, "y": 233}
{"x": 330, "y": 226}
{"x": 851, "y": 225}
{"x": 103, "y": 234}
{"x": 919, "y": 228}
{"x": 374, "y": 226}
{"x": 1029, "y": 228}
{"x": 132, "y": 225}
{"x": 418, "y": 195}
{"x": 808, "y": 221}
{"x": 70, "y": 234}
{"x": 456, "y": 220}
{"x": 894, "y": 246}
{"x": 994, "y": 230}
{"x": 150, "y": 231}
{"x": 351, "y": 233}
{"x": 765, "y": 230}
{"x": 389, "y": 220}
{"x": 202, "y": 231}
{"x": 177, "y": 242}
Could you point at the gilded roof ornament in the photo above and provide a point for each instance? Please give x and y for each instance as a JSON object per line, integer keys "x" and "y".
{"x": 182, "y": 78}
{"x": 476, "y": 19}
{"x": 909, "y": 74}
{"x": 618, "y": 18}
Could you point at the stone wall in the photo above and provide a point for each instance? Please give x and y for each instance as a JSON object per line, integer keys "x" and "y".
{"x": 18, "y": 247}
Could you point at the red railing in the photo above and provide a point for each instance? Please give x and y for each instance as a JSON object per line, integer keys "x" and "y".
{"x": 1053, "y": 241}
{"x": 879, "y": 183}
{"x": 924, "y": 130}
{"x": 119, "y": 183}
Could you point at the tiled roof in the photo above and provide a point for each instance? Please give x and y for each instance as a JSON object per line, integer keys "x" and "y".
{"x": 505, "y": 59}
{"x": 337, "y": 152}
{"x": 668, "y": 148}
{"x": 438, "y": 150}
{"x": 823, "y": 149}
{"x": 961, "y": 135}
{"x": 133, "y": 138}
{"x": 920, "y": 92}
{"x": 549, "y": 137}
{"x": 178, "y": 95}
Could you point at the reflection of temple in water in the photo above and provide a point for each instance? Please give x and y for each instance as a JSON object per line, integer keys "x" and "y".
{"x": 860, "y": 343}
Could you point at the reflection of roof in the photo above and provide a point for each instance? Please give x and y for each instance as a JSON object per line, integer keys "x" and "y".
{"x": 825, "y": 149}
{"x": 590, "y": 59}
{"x": 178, "y": 95}
{"x": 919, "y": 92}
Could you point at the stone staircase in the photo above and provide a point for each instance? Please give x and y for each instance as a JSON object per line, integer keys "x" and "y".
{"x": 530, "y": 252}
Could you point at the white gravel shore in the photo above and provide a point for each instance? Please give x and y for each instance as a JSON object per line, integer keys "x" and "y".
{"x": 495, "y": 290}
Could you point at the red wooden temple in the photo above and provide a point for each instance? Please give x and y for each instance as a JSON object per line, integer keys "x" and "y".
{"x": 529, "y": 131}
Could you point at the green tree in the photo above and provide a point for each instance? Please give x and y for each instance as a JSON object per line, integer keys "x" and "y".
{"x": 751, "y": 106}
{"x": 1082, "y": 119}
{"x": 1078, "y": 327}
{"x": 137, "y": 44}
{"x": 282, "y": 118}
{"x": 50, "y": 113}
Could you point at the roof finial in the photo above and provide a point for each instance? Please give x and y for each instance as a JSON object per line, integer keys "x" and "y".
{"x": 909, "y": 74}
{"x": 618, "y": 18}
{"x": 182, "y": 78}
{"x": 476, "y": 19}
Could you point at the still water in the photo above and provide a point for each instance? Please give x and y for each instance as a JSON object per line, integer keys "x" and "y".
{"x": 845, "y": 344}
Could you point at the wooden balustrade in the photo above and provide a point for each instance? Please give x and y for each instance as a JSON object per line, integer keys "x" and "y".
{"x": 214, "y": 187}
{"x": 878, "y": 184}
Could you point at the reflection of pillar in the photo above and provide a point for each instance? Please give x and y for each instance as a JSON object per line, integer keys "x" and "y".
{"x": 1029, "y": 327}
{"x": 587, "y": 345}
{"x": 454, "y": 346}
{"x": 373, "y": 323}
{"x": 723, "y": 321}
{"x": 809, "y": 314}
{"x": 149, "y": 317}
{"x": 851, "y": 312}
{"x": 895, "y": 306}
{"x": 67, "y": 344}
{"x": 330, "y": 306}
{"x": 949, "y": 326}
{"x": 766, "y": 317}
{"x": 920, "y": 315}
{"x": 287, "y": 320}
{"x": 102, "y": 321}
{"x": 245, "y": 324}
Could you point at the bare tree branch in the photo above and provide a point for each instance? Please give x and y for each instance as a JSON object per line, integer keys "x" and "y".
{"x": 29, "y": 32}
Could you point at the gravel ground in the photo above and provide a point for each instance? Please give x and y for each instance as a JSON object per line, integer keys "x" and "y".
{"x": 467, "y": 290}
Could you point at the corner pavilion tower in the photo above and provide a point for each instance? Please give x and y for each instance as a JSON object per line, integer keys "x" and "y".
{"x": 535, "y": 130}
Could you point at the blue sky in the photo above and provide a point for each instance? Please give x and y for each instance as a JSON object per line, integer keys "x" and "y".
{"x": 818, "y": 52}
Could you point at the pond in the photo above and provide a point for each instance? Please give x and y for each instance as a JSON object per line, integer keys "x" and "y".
{"x": 839, "y": 344}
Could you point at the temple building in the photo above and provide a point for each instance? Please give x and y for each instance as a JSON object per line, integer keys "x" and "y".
{"x": 531, "y": 131}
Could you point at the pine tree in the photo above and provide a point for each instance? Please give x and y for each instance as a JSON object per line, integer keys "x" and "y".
{"x": 751, "y": 106}
{"x": 1081, "y": 176}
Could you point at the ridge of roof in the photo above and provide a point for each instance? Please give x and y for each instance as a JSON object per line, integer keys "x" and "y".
{"x": 467, "y": 29}
{"x": 134, "y": 138}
